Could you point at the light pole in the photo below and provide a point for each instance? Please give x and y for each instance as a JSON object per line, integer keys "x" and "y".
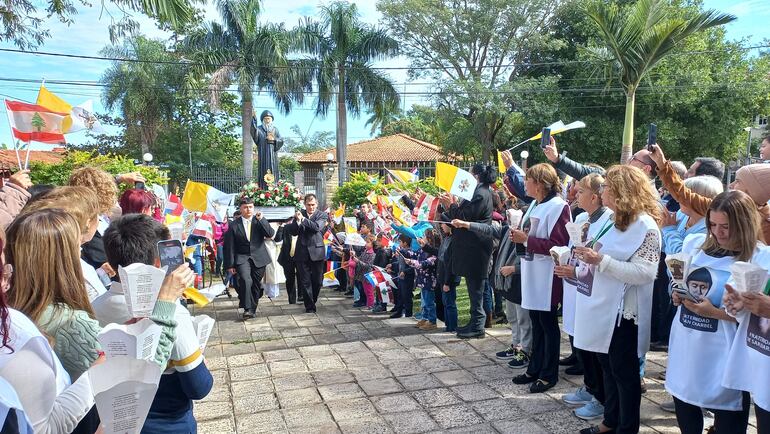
{"x": 524, "y": 155}
{"x": 748, "y": 146}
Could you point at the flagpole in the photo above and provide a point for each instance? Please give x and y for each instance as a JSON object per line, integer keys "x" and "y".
{"x": 18, "y": 157}
{"x": 26, "y": 161}
{"x": 516, "y": 146}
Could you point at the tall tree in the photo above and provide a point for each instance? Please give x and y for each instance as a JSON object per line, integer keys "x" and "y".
{"x": 342, "y": 49}
{"x": 22, "y": 24}
{"x": 249, "y": 54}
{"x": 143, "y": 90}
{"x": 474, "y": 50}
{"x": 637, "y": 40}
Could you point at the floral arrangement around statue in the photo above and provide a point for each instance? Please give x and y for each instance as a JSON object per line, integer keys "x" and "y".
{"x": 278, "y": 202}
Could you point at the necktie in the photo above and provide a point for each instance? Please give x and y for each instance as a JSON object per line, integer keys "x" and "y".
{"x": 293, "y": 246}
{"x": 247, "y": 226}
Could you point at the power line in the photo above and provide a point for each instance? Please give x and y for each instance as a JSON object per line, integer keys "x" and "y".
{"x": 384, "y": 68}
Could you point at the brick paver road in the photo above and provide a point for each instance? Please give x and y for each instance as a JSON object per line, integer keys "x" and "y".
{"x": 351, "y": 371}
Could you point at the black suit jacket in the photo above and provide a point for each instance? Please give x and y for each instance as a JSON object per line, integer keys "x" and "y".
{"x": 310, "y": 236}
{"x": 238, "y": 249}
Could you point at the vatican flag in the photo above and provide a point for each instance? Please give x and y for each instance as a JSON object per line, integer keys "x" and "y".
{"x": 457, "y": 181}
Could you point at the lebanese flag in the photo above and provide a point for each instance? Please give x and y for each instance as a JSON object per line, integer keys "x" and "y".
{"x": 31, "y": 122}
{"x": 426, "y": 207}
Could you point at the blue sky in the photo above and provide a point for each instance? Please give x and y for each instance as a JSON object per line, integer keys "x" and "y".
{"x": 88, "y": 34}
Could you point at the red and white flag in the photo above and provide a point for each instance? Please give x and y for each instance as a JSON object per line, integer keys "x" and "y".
{"x": 426, "y": 207}
{"x": 31, "y": 122}
{"x": 203, "y": 229}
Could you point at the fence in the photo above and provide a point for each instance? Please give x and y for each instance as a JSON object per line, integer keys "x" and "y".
{"x": 225, "y": 180}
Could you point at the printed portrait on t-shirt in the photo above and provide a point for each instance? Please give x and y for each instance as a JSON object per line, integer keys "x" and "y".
{"x": 703, "y": 283}
{"x": 758, "y": 334}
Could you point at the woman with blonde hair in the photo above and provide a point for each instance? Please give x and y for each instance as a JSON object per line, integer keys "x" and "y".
{"x": 612, "y": 315}
{"x": 544, "y": 226}
{"x": 589, "y": 198}
{"x": 47, "y": 286}
{"x": 703, "y": 332}
{"x": 83, "y": 204}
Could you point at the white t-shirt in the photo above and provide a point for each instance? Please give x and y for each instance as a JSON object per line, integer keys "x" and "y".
{"x": 698, "y": 346}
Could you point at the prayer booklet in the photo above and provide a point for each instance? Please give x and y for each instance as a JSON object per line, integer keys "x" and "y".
{"x": 138, "y": 341}
{"x": 141, "y": 285}
{"x": 578, "y": 233}
{"x": 514, "y": 217}
{"x": 123, "y": 389}
{"x": 678, "y": 265}
{"x": 748, "y": 277}
{"x": 204, "y": 325}
{"x": 560, "y": 254}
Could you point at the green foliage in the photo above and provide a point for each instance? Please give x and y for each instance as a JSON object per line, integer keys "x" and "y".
{"x": 308, "y": 143}
{"x": 287, "y": 166}
{"x": 354, "y": 192}
{"x": 58, "y": 174}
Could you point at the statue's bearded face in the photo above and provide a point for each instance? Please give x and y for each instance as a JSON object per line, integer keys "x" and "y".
{"x": 267, "y": 120}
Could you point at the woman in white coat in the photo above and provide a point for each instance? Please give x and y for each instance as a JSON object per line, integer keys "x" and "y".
{"x": 702, "y": 331}
{"x": 612, "y": 315}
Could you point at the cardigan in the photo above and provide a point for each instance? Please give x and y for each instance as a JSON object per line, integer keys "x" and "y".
{"x": 75, "y": 334}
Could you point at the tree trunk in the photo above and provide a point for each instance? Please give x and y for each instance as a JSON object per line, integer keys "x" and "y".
{"x": 342, "y": 127}
{"x": 628, "y": 127}
{"x": 248, "y": 144}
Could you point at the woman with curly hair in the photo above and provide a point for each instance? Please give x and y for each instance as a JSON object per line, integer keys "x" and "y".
{"x": 612, "y": 316}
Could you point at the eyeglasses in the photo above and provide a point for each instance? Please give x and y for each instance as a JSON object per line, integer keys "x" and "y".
{"x": 640, "y": 161}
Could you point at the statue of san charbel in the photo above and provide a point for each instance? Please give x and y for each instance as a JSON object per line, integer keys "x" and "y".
{"x": 268, "y": 141}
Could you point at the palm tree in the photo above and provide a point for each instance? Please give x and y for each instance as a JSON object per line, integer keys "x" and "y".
{"x": 342, "y": 49}
{"x": 143, "y": 91}
{"x": 251, "y": 55}
{"x": 638, "y": 40}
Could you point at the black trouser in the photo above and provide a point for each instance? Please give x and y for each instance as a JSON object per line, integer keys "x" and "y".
{"x": 663, "y": 311}
{"x": 310, "y": 275}
{"x": 405, "y": 290}
{"x": 476, "y": 295}
{"x": 592, "y": 374}
{"x": 292, "y": 281}
{"x": 544, "y": 361}
{"x": 342, "y": 277}
{"x": 249, "y": 285}
{"x": 690, "y": 418}
{"x": 622, "y": 390}
{"x": 763, "y": 420}
{"x": 438, "y": 290}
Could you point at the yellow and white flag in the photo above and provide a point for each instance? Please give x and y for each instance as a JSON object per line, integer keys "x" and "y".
{"x": 456, "y": 181}
{"x": 200, "y": 197}
{"x": 338, "y": 213}
{"x": 80, "y": 117}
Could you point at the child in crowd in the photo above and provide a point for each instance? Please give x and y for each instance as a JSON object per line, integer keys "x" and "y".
{"x": 405, "y": 275}
{"x": 363, "y": 263}
{"x": 446, "y": 279}
{"x": 425, "y": 266}
{"x": 381, "y": 261}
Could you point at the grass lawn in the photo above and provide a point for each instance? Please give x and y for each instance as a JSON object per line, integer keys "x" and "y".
{"x": 463, "y": 306}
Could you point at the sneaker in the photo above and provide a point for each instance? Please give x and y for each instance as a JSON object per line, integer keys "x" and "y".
{"x": 592, "y": 410}
{"x": 578, "y": 397}
{"x": 428, "y": 326}
{"x": 395, "y": 315}
{"x": 420, "y": 323}
{"x": 507, "y": 354}
{"x": 379, "y": 308}
{"x": 359, "y": 304}
{"x": 519, "y": 360}
{"x": 668, "y": 406}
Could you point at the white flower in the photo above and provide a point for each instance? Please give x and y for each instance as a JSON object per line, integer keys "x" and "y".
{"x": 262, "y": 196}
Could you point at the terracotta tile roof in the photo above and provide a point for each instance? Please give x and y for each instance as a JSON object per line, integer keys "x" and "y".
{"x": 8, "y": 157}
{"x": 395, "y": 148}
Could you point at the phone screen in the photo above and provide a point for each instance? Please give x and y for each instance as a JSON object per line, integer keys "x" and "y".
{"x": 139, "y": 185}
{"x": 171, "y": 254}
{"x": 652, "y": 136}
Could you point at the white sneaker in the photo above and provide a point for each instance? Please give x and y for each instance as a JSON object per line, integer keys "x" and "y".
{"x": 579, "y": 397}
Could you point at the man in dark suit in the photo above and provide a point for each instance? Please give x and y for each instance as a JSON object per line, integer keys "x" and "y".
{"x": 309, "y": 255}
{"x": 246, "y": 255}
{"x": 286, "y": 260}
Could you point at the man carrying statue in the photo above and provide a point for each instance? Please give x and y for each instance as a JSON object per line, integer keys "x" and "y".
{"x": 268, "y": 141}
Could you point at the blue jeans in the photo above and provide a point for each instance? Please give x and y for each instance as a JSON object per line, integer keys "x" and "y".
{"x": 358, "y": 291}
{"x": 198, "y": 265}
{"x": 488, "y": 305}
{"x": 450, "y": 308}
{"x": 428, "y": 304}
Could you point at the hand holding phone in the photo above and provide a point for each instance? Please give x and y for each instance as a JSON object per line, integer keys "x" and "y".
{"x": 171, "y": 254}
{"x": 652, "y": 136}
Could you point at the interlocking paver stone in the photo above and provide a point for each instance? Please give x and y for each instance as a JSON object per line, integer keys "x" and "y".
{"x": 351, "y": 371}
